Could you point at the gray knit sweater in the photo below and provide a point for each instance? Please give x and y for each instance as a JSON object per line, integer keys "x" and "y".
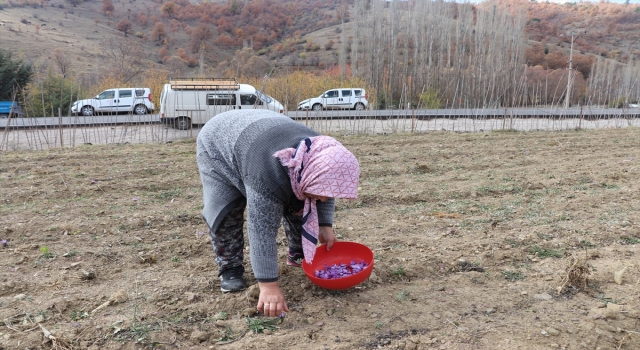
{"x": 235, "y": 158}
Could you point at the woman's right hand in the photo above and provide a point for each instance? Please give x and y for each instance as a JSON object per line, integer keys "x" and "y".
{"x": 327, "y": 236}
{"x": 271, "y": 301}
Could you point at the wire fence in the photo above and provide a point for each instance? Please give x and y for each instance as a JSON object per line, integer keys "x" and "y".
{"x": 47, "y": 133}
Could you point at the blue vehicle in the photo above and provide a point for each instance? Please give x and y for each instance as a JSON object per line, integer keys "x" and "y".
{"x": 11, "y": 108}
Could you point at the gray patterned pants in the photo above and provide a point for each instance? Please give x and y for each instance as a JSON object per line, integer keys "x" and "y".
{"x": 228, "y": 240}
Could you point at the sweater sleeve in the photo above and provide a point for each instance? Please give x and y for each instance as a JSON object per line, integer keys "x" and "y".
{"x": 326, "y": 211}
{"x": 264, "y": 216}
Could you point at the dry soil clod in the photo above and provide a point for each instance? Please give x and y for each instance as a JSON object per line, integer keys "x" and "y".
{"x": 86, "y": 275}
{"x": 617, "y": 276}
{"x": 147, "y": 258}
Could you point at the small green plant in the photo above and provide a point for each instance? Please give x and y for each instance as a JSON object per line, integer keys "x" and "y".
{"x": 70, "y": 254}
{"x": 259, "y": 325}
{"x": 629, "y": 240}
{"x": 136, "y": 332}
{"x": 227, "y": 335}
{"x": 46, "y": 253}
{"x": 543, "y": 236}
{"x": 513, "y": 276}
{"x": 514, "y": 243}
{"x": 220, "y": 316}
{"x": 379, "y": 325}
{"x": 399, "y": 271}
{"x": 402, "y": 295}
{"x": 77, "y": 315}
{"x": 543, "y": 253}
{"x": 586, "y": 244}
{"x": 175, "y": 259}
{"x": 601, "y": 298}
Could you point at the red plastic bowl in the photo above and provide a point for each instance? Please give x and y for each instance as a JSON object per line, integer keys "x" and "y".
{"x": 341, "y": 252}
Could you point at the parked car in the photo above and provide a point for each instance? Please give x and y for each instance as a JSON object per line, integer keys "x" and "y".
{"x": 343, "y": 98}
{"x": 634, "y": 104}
{"x": 120, "y": 100}
{"x": 193, "y": 101}
{"x": 11, "y": 108}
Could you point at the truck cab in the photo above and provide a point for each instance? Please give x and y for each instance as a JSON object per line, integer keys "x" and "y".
{"x": 11, "y": 109}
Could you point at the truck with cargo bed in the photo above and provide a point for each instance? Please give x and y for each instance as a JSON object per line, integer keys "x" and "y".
{"x": 11, "y": 109}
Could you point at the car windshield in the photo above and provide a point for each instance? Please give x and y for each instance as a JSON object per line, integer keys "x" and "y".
{"x": 263, "y": 97}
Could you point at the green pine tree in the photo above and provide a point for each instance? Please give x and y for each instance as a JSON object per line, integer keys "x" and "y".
{"x": 14, "y": 76}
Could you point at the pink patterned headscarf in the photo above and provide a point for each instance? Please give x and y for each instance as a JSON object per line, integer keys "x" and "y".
{"x": 321, "y": 166}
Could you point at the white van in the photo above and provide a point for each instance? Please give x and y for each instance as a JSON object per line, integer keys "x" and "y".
{"x": 343, "y": 98}
{"x": 193, "y": 101}
{"x": 119, "y": 100}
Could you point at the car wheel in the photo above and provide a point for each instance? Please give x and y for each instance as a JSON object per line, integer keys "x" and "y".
{"x": 183, "y": 123}
{"x": 140, "y": 109}
{"x": 87, "y": 111}
{"x": 317, "y": 107}
{"x": 359, "y": 107}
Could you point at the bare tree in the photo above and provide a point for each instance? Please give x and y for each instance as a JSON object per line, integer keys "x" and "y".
{"x": 342, "y": 12}
{"x": 124, "y": 57}
{"x": 246, "y": 62}
{"x": 469, "y": 55}
{"x": 62, "y": 61}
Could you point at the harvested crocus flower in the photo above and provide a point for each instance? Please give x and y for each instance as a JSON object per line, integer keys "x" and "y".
{"x": 4, "y": 242}
{"x": 342, "y": 270}
{"x": 135, "y": 199}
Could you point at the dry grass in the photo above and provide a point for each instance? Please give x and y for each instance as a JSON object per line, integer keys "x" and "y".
{"x": 453, "y": 247}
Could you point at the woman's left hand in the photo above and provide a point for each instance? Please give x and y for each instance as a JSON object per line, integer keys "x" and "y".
{"x": 327, "y": 236}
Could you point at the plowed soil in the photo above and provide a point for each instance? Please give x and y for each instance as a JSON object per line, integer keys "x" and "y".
{"x": 500, "y": 240}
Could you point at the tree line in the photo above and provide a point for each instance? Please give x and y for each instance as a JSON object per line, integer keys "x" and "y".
{"x": 449, "y": 55}
{"x": 415, "y": 54}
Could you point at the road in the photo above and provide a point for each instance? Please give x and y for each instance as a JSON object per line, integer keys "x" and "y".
{"x": 37, "y": 138}
{"x": 588, "y": 113}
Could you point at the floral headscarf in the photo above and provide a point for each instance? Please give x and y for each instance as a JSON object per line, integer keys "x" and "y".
{"x": 321, "y": 166}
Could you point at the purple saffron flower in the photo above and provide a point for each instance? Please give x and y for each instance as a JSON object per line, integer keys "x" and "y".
{"x": 4, "y": 242}
{"x": 135, "y": 199}
{"x": 339, "y": 271}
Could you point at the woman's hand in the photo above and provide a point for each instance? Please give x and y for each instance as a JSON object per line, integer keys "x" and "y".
{"x": 271, "y": 301}
{"x": 327, "y": 236}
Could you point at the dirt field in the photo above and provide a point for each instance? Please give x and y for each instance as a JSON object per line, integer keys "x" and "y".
{"x": 473, "y": 235}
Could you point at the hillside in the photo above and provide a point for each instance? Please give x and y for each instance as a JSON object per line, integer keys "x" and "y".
{"x": 82, "y": 31}
{"x": 605, "y": 29}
